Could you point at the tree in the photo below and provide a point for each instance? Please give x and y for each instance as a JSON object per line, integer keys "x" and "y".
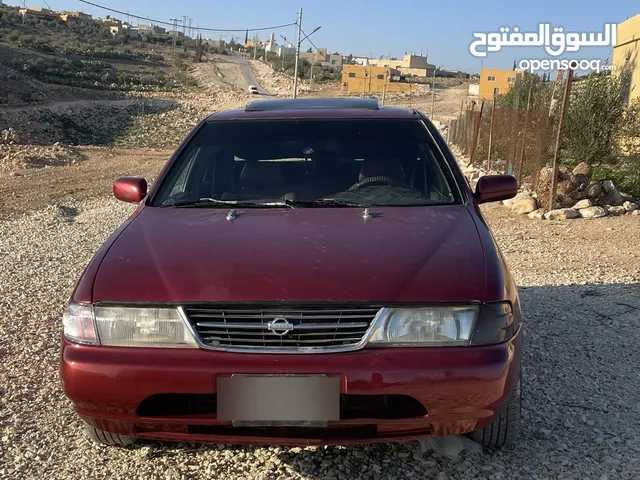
{"x": 595, "y": 119}
{"x": 310, "y": 50}
{"x": 540, "y": 93}
{"x": 246, "y": 37}
{"x": 199, "y": 49}
{"x": 514, "y": 65}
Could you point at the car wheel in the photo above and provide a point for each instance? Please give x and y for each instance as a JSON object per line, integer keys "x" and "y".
{"x": 108, "y": 438}
{"x": 503, "y": 431}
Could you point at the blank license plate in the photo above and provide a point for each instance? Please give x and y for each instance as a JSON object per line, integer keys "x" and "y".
{"x": 278, "y": 399}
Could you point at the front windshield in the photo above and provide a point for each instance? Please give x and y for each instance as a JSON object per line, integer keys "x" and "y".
{"x": 312, "y": 162}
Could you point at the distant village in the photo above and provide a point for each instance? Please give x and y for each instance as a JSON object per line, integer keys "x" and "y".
{"x": 360, "y": 74}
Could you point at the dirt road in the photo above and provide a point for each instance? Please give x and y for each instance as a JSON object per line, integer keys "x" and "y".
{"x": 28, "y": 190}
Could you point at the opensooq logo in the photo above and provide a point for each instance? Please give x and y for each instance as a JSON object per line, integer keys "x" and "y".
{"x": 554, "y": 40}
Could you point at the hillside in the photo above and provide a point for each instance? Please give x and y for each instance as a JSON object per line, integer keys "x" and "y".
{"x": 42, "y": 58}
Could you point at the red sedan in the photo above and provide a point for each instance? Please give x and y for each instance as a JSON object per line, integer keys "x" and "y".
{"x": 308, "y": 271}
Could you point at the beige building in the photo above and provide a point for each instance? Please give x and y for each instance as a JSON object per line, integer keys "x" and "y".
{"x": 313, "y": 57}
{"x": 495, "y": 82}
{"x": 408, "y": 65}
{"x": 626, "y": 55}
{"x": 365, "y": 79}
{"x": 110, "y": 21}
{"x": 39, "y": 12}
{"x": 145, "y": 28}
{"x": 76, "y": 17}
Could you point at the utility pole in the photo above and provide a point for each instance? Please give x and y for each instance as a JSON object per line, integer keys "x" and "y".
{"x": 386, "y": 81}
{"x": 184, "y": 25}
{"x": 364, "y": 83}
{"x": 313, "y": 60}
{"x": 190, "y": 29}
{"x": 433, "y": 92}
{"x": 255, "y": 46}
{"x": 175, "y": 34}
{"x": 295, "y": 70}
{"x": 282, "y": 51}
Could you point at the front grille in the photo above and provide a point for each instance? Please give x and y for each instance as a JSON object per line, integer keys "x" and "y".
{"x": 305, "y": 328}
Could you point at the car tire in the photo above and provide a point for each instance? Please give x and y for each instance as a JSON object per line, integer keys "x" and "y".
{"x": 108, "y": 438}
{"x": 502, "y": 432}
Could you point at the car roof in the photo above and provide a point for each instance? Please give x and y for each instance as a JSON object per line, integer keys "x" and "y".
{"x": 315, "y": 108}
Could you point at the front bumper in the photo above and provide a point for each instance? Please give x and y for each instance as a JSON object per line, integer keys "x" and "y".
{"x": 461, "y": 388}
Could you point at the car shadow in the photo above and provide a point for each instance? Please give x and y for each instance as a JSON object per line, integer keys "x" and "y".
{"x": 579, "y": 400}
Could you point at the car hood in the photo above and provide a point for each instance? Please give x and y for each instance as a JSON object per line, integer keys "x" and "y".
{"x": 402, "y": 254}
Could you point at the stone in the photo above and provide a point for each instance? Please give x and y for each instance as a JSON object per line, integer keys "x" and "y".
{"x": 616, "y": 210}
{"x": 630, "y": 207}
{"x": 579, "y": 179}
{"x": 565, "y": 201}
{"x": 608, "y": 186}
{"x": 537, "y": 214}
{"x": 523, "y": 206}
{"x": 582, "y": 169}
{"x": 545, "y": 175}
{"x": 562, "y": 214}
{"x": 594, "y": 189}
{"x": 635, "y": 212}
{"x": 519, "y": 196}
{"x": 583, "y": 204}
{"x": 613, "y": 197}
{"x": 592, "y": 212}
{"x": 563, "y": 173}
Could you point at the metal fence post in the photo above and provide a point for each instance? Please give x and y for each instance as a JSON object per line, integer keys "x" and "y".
{"x": 493, "y": 113}
{"x": 554, "y": 165}
{"x": 524, "y": 137}
{"x": 514, "y": 126}
{"x": 476, "y": 133}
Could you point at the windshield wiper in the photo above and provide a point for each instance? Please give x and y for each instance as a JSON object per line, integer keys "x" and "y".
{"x": 325, "y": 202}
{"x": 209, "y": 202}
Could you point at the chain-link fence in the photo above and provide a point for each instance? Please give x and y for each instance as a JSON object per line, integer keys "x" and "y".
{"x": 516, "y": 141}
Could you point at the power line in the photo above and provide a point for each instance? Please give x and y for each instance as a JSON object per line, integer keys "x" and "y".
{"x": 311, "y": 42}
{"x": 197, "y": 28}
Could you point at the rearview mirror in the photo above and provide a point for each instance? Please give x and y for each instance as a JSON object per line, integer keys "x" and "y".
{"x": 492, "y": 188}
{"x": 130, "y": 189}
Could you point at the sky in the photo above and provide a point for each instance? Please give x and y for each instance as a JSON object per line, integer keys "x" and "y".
{"x": 441, "y": 29}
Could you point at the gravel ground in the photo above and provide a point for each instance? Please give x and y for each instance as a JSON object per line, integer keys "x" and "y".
{"x": 580, "y": 290}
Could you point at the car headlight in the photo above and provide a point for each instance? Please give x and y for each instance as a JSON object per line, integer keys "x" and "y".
{"x": 443, "y": 326}
{"x": 131, "y": 327}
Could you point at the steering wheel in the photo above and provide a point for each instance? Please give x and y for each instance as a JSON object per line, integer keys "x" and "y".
{"x": 380, "y": 180}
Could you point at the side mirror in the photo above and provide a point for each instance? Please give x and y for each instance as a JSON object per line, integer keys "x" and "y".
{"x": 130, "y": 189}
{"x": 492, "y": 188}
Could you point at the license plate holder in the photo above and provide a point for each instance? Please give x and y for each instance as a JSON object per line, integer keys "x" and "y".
{"x": 278, "y": 400}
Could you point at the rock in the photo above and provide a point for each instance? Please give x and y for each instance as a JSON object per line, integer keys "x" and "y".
{"x": 630, "y": 207}
{"x": 565, "y": 201}
{"x": 635, "y": 212}
{"x": 616, "y": 210}
{"x": 509, "y": 202}
{"x": 545, "y": 175}
{"x": 608, "y": 186}
{"x": 592, "y": 212}
{"x": 583, "y": 204}
{"x": 613, "y": 197}
{"x": 594, "y": 189}
{"x": 562, "y": 214}
{"x": 582, "y": 169}
{"x": 537, "y": 214}
{"x": 579, "y": 179}
{"x": 524, "y": 205}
